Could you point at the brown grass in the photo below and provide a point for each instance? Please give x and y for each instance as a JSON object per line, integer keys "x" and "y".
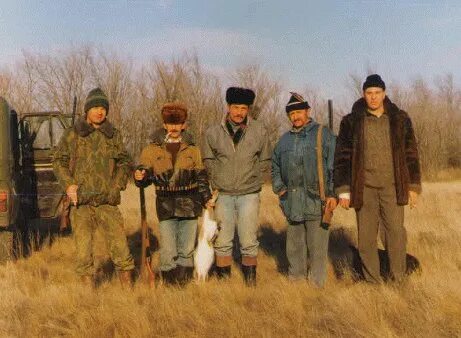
{"x": 41, "y": 296}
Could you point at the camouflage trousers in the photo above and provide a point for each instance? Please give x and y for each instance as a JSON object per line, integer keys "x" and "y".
{"x": 84, "y": 220}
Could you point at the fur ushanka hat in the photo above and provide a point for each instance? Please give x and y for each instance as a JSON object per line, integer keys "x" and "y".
{"x": 174, "y": 113}
{"x": 237, "y": 95}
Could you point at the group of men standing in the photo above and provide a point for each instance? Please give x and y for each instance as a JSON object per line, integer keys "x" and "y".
{"x": 371, "y": 166}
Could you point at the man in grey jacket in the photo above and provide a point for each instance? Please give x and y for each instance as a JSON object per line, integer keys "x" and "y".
{"x": 235, "y": 153}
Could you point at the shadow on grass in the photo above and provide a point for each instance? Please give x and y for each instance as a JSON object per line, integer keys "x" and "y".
{"x": 342, "y": 253}
{"x": 106, "y": 270}
{"x": 40, "y": 233}
{"x": 274, "y": 244}
{"x": 345, "y": 258}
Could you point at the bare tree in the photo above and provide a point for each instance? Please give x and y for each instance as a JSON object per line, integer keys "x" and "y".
{"x": 57, "y": 79}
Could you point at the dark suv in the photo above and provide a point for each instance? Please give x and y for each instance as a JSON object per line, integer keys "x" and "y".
{"x": 39, "y": 134}
{"x": 30, "y": 196}
{"x": 11, "y": 217}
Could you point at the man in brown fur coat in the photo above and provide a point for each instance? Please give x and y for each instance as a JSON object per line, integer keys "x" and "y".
{"x": 377, "y": 172}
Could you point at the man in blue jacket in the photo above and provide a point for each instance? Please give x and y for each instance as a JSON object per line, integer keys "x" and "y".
{"x": 295, "y": 180}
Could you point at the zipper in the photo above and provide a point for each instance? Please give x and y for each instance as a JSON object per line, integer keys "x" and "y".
{"x": 230, "y": 137}
{"x": 175, "y": 165}
{"x": 233, "y": 147}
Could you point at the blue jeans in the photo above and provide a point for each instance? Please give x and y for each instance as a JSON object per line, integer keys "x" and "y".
{"x": 177, "y": 242}
{"x": 239, "y": 212}
{"x": 307, "y": 244}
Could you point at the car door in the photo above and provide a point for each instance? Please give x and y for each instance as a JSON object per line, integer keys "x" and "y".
{"x": 40, "y": 134}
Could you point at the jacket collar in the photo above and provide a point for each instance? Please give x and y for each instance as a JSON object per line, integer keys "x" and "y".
{"x": 306, "y": 128}
{"x": 359, "y": 108}
{"x": 83, "y": 129}
{"x": 224, "y": 119}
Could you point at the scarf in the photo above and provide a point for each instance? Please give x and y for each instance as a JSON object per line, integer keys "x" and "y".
{"x": 236, "y": 135}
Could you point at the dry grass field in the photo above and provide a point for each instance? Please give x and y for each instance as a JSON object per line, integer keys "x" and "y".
{"x": 41, "y": 297}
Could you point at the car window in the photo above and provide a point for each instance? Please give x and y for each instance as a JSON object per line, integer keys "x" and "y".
{"x": 57, "y": 128}
{"x": 42, "y": 136}
{"x": 42, "y": 132}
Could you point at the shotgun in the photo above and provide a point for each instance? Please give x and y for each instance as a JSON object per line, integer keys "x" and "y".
{"x": 327, "y": 214}
{"x": 146, "y": 254}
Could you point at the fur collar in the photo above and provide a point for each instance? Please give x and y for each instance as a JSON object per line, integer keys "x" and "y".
{"x": 83, "y": 129}
{"x": 158, "y": 137}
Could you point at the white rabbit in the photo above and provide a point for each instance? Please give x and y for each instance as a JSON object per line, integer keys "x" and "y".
{"x": 204, "y": 253}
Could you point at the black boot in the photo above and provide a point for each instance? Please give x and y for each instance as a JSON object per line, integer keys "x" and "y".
{"x": 223, "y": 272}
{"x": 249, "y": 275}
{"x": 184, "y": 274}
{"x": 170, "y": 277}
{"x": 189, "y": 275}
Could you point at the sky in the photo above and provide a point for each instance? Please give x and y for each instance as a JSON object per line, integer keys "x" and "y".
{"x": 314, "y": 44}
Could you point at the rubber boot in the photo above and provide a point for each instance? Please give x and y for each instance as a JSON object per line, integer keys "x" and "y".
{"x": 181, "y": 275}
{"x": 249, "y": 275}
{"x": 189, "y": 273}
{"x": 170, "y": 277}
{"x": 125, "y": 279}
{"x": 184, "y": 274}
{"x": 223, "y": 272}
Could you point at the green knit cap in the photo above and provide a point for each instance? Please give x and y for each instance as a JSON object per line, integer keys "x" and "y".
{"x": 96, "y": 98}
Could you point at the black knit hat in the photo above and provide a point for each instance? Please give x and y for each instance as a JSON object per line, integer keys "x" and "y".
{"x": 96, "y": 98}
{"x": 374, "y": 80}
{"x": 236, "y": 95}
{"x": 296, "y": 102}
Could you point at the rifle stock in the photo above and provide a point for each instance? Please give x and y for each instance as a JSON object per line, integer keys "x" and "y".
{"x": 64, "y": 219}
{"x": 146, "y": 255}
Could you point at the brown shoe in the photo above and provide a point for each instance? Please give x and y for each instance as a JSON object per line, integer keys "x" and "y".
{"x": 125, "y": 279}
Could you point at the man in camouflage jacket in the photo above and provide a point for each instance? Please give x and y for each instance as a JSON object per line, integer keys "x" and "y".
{"x": 92, "y": 166}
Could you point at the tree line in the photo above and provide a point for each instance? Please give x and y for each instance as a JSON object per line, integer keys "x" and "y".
{"x": 40, "y": 82}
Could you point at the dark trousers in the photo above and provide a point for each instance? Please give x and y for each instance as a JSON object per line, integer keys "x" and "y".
{"x": 380, "y": 209}
{"x": 307, "y": 245}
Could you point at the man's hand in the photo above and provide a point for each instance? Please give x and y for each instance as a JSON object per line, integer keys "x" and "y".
{"x": 139, "y": 174}
{"x": 412, "y": 199}
{"x": 331, "y": 203}
{"x": 210, "y": 204}
{"x": 281, "y": 193}
{"x": 71, "y": 192}
{"x": 345, "y": 203}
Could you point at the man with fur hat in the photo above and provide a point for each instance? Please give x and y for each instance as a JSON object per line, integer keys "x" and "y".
{"x": 92, "y": 166}
{"x": 235, "y": 152}
{"x": 377, "y": 172}
{"x": 295, "y": 179}
{"x": 172, "y": 162}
